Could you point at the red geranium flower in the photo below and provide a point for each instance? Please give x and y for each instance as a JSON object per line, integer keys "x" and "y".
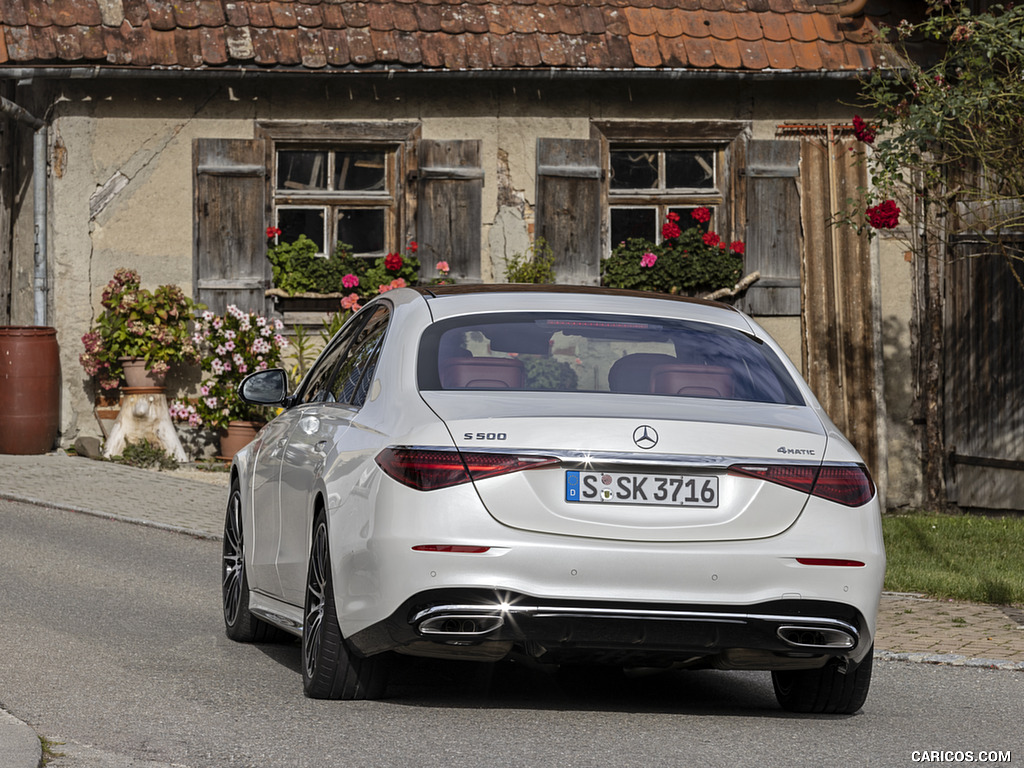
{"x": 413, "y": 246}
{"x": 670, "y": 230}
{"x": 393, "y": 262}
{"x": 272, "y": 232}
{"x": 702, "y": 214}
{"x": 885, "y": 215}
{"x": 711, "y": 238}
{"x": 737, "y": 246}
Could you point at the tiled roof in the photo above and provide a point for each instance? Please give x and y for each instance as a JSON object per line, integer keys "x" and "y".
{"x": 326, "y": 35}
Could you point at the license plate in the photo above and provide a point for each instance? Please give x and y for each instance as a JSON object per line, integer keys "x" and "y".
{"x": 633, "y": 488}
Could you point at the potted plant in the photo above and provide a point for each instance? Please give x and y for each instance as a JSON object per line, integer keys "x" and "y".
{"x": 139, "y": 329}
{"x": 687, "y": 262}
{"x": 233, "y": 345}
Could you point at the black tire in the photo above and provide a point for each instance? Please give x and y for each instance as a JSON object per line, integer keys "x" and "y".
{"x": 239, "y": 624}
{"x": 826, "y": 690}
{"x": 330, "y": 669}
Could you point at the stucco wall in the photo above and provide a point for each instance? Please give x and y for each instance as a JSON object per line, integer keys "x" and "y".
{"x": 121, "y": 184}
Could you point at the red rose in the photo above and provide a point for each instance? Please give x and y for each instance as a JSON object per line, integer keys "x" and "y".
{"x": 885, "y": 215}
{"x": 393, "y": 262}
{"x": 862, "y": 130}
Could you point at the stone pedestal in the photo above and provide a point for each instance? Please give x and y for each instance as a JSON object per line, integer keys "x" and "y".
{"x": 144, "y": 416}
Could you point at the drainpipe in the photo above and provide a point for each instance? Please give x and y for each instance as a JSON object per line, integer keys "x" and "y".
{"x": 39, "y": 144}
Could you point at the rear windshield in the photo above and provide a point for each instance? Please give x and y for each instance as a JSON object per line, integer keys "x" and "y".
{"x": 555, "y": 352}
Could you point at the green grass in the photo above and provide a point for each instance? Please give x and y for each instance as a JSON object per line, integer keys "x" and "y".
{"x": 965, "y": 557}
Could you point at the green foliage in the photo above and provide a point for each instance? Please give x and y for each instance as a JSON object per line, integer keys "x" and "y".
{"x": 692, "y": 262}
{"x": 137, "y": 322}
{"x": 537, "y": 265}
{"x": 965, "y": 557}
{"x": 146, "y": 455}
{"x": 298, "y": 269}
{"x": 548, "y": 373}
{"x": 950, "y": 132}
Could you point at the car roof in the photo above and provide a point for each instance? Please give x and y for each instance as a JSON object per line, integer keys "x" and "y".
{"x": 473, "y": 298}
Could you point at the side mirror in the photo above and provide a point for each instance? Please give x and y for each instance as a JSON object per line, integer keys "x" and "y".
{"x": 269, "y": 387}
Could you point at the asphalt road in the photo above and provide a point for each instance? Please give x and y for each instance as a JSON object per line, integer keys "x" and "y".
{"x": 111, "y": 642}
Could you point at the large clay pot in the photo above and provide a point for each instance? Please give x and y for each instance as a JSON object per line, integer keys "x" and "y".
{"x": 29, "y": 389}
{"x": 137, "y": 375}
{"x": 237, "y": 435}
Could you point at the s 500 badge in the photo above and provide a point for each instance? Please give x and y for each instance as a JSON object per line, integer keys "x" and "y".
{"x": 484, "y": 436}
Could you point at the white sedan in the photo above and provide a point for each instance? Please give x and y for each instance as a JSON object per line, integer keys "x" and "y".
{"x": 572, "y": 475}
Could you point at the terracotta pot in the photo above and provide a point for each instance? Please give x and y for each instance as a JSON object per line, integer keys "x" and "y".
{"x": 137, "y": 375}
{"x": 29, "y": 389}
{"x": 236, "y": 436}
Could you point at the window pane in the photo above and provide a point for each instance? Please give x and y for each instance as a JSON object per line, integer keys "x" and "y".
{"x": 297, "y": 170}
{"x": 362, "y": 228}
{"x": 633, "y": 222}
{"x": 302, "y": 221}
{"x": 634, "y": 169}
{"x": 359, "y": 171}
{"x": 690, "y": 169}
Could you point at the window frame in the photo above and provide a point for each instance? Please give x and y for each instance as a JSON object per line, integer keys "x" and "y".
{"x": 396, "y": 140}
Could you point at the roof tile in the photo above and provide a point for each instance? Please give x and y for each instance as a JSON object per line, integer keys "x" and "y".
{"x": 721, "y": 26}
{"x": 547, "y": 20}
{"x": 408, "y": 48}
{"x": 239, "y": 43}
{"x": 619, "y": 54}
{"x": 641, "y": 21}
{"x": 334, "y": 17}
{"x": 186, "y": 14}
{"x": 287, "y": 48}
{"x": 309, "y": 15}
{"x": 433, "y": 50}
{"x": 40, "y": 13}
{"x": 503, "y": 51}
{"x": 758, "y": 6}
{"x": 597, "y": 53}
{"x": 356, "y": 16}
{"x": 311, "y": 48}
{"x": 211, "y": 13}
{"x": 700, "y": 53}
{"x": 454, "y": 52}
{"x": 551, "y": 51}
{"x": 478, "y": 51}
{"x": 801, "y": 27}
{"x": 748, "y": 26}
{"x": 404, "y": 17}
{"x": 780, "y": 54}
{"x": 360, "y": 46}
{"x": 592, "y": 20}
{"x": 696, "y": 24}
{"x": 575, "y": 50}
{"x": 712, "y": 6}
{"x": 673, "y": 51}
{"x": 781, "y": 6}
{"x": 19, "y": 44}
{"x": 669, "y": 23}
{"x": 259, "y": 14}
{"x": 215, "y": 49}
{"x": 570, "y": 20}
{"x": 827, "y": 26}
{"x": 336, "y": 47}
{"x": 65, "y": 13}
{"x": 380, "y": 16}
{"x": 527, "y": 50}
{"x": 136, "y": 11}
{"x": 615, "y": 21}
{"x": 93, "y": 43}
{"x": 806, "y": 55}
{"x": 4, "y": 57}
{"x": 161, "y": 14}
{"x": 42, "y": 42}
{"x": 114, "y": 45}
{"x": 645, "y": 51}
{"x": 497, "y": 21}
{"x": 452, "y": 20}
{"x": 523, "y": 19}
{"x": 753, "y": 54}
{"x": 775, "y": 26}
{"x": 14, "y": 15}
{"x": 429, "y": 17}
{"x": 384, "y": 44}
{"x": 832, "y": 55}
{"x": 188, "y": 48}
{"x": 284, "y": 15}
{"x": 727, "y": 54}
{"x": 86, "y": 13}
{"x": 474, "y": 19}
{"x": 68, "y": 43}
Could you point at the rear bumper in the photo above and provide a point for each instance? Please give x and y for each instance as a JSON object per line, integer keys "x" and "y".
{"x": 488, "y": 624}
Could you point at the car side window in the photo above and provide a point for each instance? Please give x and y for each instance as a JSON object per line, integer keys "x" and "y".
{"x": 316, "y": 385}
{"x": 352, "y": 381}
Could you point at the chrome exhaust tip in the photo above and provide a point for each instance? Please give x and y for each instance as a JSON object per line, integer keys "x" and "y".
{"x": 816, "y": 637}
{"x": 460, "y": 625}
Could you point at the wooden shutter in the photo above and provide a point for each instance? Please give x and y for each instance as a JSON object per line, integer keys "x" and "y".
{"x": 450, "y": 207}
{"x": 773, "y": 227}
{"x": 230, "y": 263}
{"x": 569, "y": 206}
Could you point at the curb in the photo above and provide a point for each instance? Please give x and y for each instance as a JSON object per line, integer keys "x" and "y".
{"x": 951, "y": 660}
{"x": 21, "y": 744}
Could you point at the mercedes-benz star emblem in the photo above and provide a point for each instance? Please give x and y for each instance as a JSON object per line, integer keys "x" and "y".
{"x": 645, "y": 436}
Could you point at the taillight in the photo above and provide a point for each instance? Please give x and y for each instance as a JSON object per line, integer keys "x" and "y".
{"x": 847, "y": 484}
{"x": 428, "y": 469}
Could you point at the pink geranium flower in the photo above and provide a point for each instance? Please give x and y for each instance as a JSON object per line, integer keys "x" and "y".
{"x": 648, "y": 259}
{"x": 350, "y": 281}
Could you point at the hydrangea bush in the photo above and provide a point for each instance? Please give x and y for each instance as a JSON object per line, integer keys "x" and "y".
{"x": 234, "y": 345}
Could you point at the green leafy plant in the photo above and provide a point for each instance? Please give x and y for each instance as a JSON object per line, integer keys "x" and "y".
{"x": 686, "y": 261}
{"x": 146, "y": 455}
{"x": 943, "y": 138}
{"x": 548, "y": 373}
{"x": 537, "y": 265}
{"x": 234, "y": 345}
{"x": 136, "y": 322}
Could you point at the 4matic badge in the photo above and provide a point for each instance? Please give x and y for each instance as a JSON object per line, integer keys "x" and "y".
{"x": 796, "y": 451}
